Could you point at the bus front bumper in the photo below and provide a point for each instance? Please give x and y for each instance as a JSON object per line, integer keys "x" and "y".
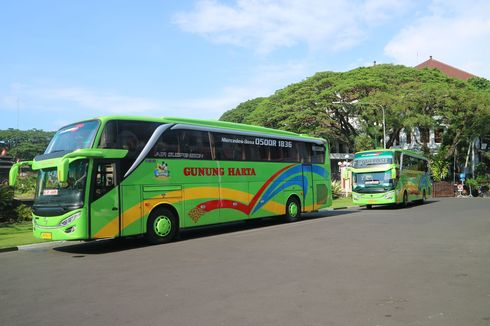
{"x": 384, "y": 198}
{"x": 69, "y": 226}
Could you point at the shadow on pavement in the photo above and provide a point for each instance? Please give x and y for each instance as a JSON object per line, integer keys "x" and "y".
{"x": 398, "y": 207}
{"x": 123, "y": 244}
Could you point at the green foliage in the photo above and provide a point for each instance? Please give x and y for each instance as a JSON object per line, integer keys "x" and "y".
{"x": 6, "y": 198}
{"x": 10, "y": 209}
{"x": 473, "y": 183}
{"x": 439, "y": 166}
{"x": 26, "y": 185}
{"x": 363, "y": 142}
{"x": 242, "y": 111}
{"x": 342, "y": 106}
{"x": 337, "y": 191}
{"x": 481, "y": 169}
{"x": 23, "y": 213}
{"x": 25, "y": 144}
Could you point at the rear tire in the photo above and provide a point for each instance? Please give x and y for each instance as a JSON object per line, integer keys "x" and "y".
{"x": 293, "y": 209}
{"x": 162, "y": 226}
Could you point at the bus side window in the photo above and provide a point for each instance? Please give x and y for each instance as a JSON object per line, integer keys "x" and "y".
{"x": 196, "y": 144}
{"x": 405, "y": 162}
{"x": 398, "y": 159}
{"x": 318, "y": 154}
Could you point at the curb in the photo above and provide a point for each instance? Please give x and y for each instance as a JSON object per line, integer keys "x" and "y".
{"x": 30, "y": 246}
{"x": 9, "y": 249}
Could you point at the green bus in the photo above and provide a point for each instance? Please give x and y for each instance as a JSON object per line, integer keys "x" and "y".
{"x": 390, "y": 176}
{"x": 118, "y": 176}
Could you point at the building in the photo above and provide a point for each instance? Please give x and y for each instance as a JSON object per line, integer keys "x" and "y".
{"x": 445, "y": 68}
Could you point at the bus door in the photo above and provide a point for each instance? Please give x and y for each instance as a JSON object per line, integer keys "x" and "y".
{"x": 308, "y": 193}
{"x": 104, "y": 221}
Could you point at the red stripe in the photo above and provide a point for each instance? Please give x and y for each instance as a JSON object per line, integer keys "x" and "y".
{"x": 225, "y": 203}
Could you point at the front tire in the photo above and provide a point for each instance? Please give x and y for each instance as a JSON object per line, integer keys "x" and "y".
{"x": 369, "y": 206}
{"x": 405, "y": 200}
{"x": 293, "y": 209}
{"x": 162, "y": 226}
{"x": 424, "y": 198}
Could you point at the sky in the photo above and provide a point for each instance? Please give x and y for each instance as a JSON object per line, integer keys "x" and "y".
{"x": 65, "y": 61}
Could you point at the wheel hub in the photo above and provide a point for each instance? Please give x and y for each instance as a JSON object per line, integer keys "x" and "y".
{"x": 293, "y": 209}
{"x": 162, "y": 226}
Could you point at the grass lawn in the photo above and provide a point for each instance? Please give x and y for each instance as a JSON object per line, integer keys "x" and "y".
{"x": 12, "y": 235}
{"x": 342, "y": 202}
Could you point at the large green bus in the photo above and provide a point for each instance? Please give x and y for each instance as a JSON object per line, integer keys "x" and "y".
{"x": 118, "y": 176}
{"x": 390, "y": 176}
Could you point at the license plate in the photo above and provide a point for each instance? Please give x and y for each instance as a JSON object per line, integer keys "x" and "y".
{"x": 46, "y": 236}
{"x": 371, "y": 202}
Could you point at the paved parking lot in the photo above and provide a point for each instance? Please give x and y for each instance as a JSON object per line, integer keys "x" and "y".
{"x": 425, "y": 265}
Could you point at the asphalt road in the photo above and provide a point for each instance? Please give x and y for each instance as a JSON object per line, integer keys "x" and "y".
{"x": 425, "y": 265}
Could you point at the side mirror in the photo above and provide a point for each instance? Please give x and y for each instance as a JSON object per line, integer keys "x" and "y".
{"x": 14, "y": 172}
{"x": 63, "y": 167}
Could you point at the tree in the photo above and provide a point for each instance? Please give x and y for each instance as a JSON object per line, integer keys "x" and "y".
{"x": 342, "y": 106}
{"x": 242, "y": 111}
{"x": 26, "y": 144}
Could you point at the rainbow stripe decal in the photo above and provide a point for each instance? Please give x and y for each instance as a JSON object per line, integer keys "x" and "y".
{"x": 291, "y": 175}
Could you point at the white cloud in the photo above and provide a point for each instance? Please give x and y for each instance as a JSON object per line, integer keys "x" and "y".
{"x": 454, "y": 32}
{"x": 266, "y": 25}
{"x": 48, "y": 106}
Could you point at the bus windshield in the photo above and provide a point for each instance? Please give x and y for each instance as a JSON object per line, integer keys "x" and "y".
{"x": 51, "y": 193}
{"x": 72, "y": 137}
{"x": 372, "y": 181}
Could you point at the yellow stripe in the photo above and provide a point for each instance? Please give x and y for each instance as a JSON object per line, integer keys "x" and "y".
{"x": 133, "y": 213}
{"x": 110, "y": 230}
{"x": 274, "y": 207}
{"x": 199, "y": 192}
{"x": 237, "y": 195}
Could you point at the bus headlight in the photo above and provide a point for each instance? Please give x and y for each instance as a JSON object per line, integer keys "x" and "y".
{"x": 389, "y": 195}
{"x": 355, "y": 196}
{"x": 70, "y": 219}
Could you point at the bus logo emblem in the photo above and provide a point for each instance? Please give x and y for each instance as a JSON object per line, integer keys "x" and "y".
{"x": 162, "y": 170}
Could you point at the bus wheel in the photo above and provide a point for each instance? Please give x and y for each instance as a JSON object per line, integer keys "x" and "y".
{"x": 405, "y": 200}
{"x": 293, "y": 209}
{"x": 162, "y": 226}
{"x": 424, "y": 196}
{"x": 369, "y": 206}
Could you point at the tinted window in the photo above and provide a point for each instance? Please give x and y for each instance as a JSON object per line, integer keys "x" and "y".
{"x": 130, "y": 135}
{"x": 318, "y": 154}
{"x": 260, "y": 149}
{"x": 183, "y": 144}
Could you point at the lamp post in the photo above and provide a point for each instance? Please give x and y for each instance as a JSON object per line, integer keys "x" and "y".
{"x": 384, "y": 127}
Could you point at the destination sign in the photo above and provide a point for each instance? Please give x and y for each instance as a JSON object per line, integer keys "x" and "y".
{"x": 369, "y": 162}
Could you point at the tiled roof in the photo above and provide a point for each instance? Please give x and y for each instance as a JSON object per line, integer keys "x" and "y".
{"x": 447, "y": 69}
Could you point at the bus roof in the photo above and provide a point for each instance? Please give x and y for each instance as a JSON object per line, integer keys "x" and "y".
{"x": 212, "y": 124}
{"x": 407, "y": 151}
